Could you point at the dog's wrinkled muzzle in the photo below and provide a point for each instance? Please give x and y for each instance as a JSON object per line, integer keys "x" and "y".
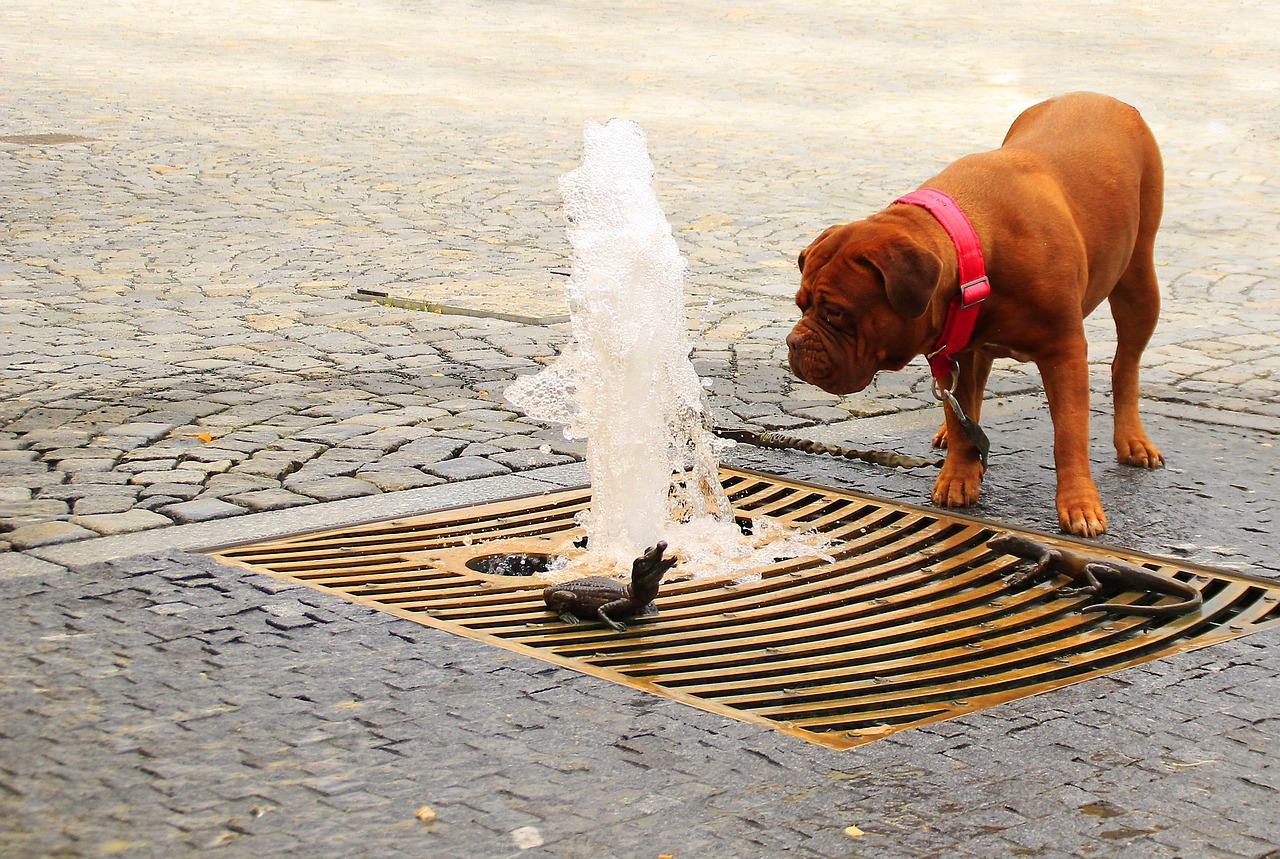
{"x": 808, "y": 356}
{"x": 813, "y": 361}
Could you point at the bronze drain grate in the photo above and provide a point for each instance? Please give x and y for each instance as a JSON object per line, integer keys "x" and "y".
{"x": 911, "y": 624}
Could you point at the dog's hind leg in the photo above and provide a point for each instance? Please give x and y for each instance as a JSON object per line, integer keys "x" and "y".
{"x": 1135, "y": 305}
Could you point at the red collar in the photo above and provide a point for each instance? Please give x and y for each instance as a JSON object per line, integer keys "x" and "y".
{"x": 974, "y": 287}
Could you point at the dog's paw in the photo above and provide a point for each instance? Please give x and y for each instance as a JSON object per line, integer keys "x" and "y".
{"x": 957, "y": 486}
{"x": 1082, "y": 517}
{"x": 1140, "y": 452}
{"x": 940, "y": 437}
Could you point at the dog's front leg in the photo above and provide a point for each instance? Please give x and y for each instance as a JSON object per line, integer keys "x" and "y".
{"x": 1066, "y": 385}
{"x": 961, "y": 475}
{"x": 975, "y": 368}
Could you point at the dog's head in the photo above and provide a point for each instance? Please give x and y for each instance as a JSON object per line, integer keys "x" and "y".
{"x": 864, "y": 290}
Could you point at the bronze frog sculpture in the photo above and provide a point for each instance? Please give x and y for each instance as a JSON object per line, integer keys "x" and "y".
{"x": 1096, "y": 575}
{"x": 609, "y": 598}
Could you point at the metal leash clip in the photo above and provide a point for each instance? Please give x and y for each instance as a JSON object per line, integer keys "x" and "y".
{"x": 955, "y": 376}
{"x": 972, "y": 430}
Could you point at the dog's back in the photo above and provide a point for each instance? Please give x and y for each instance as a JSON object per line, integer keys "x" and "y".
{"x": 1103, "y": 156}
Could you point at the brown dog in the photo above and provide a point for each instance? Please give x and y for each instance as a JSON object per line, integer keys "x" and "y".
{"x": 1066, "y": 212}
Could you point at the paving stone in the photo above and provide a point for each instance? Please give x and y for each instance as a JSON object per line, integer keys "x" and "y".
{"x": 176, "y": 475}
{"x": 523, "y": 459}
{"x": 332, "y": 433}
{"x": 99, "y": 478}
{"x": 397, "y": 479}
{"x": 487, "y": 415}
{"x": 328, "y": 468}
{"x": 781, "y": 422}
{"x": 429, "y": 450}
{"x": 274, "y": 468}
{"x": 261, "y": 500}
{"x": 185, "y": 491}
{"x": 480, "y": 449}
{"x": 819, "y": 413}
{"x": 384, "y": 440}
{"x": 14, "y": 495}
{"x": 147, "y": 430}
{"x": 17, "y": 514}
{"x": 77, "y": 464}
{"x": 43, "y": 418}
{"x": 201, "y": 510}
{"x": 34, "y": 480}
{"x": 108, "y": 524}
{"x": 749, "y": 411}
{"x": 233, "y": 483}
{"x": 333, "y": 488}
{"x": 46, "y": 534}
{"x": 466, "y": 468}
{"x": 104, "y": 502}
{"x": 17, "y": 565}
{"x": 148, "y": 464}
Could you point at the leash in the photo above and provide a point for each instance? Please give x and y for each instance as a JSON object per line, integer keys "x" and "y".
{"x": 778, "y": 441}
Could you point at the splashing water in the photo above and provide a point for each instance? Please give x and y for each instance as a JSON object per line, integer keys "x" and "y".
{"x": 626, "y": 384}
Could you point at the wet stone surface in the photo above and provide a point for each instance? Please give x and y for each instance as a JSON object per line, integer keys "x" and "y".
{"x": 177, "y": 705}
{"x": 1213, "y": 502}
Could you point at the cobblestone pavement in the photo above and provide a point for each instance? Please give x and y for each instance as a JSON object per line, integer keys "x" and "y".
{"x": 191, "y": 198}
{"x": 161, "y": 704}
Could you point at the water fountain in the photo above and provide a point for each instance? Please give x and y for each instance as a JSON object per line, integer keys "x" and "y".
{"x": 626, "y": 384}
{"x": 909, "y": 621}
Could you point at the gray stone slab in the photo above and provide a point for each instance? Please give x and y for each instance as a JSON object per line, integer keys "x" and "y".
{"x": 170, "y": 475}
{"x": 109, "y": 524}
{"x": 185, "y": 491}
{"x": 332, "y": 433}
{"x": 47, "y": 534}
{"x": 17, "y": 565}
{"x": 146, "y": 430}
{"x": 299, "y": 519}
{"x": 201, "y": 510}
{"x": 397, "y": 479}
{"x": 519, "y": 460}
{"x": 17, "y": 514}
{"x": 465, "y": 468}
{"x": 269, "y": 499}
{"x": 104, "y": 502}
{"x": 333, "y": 488}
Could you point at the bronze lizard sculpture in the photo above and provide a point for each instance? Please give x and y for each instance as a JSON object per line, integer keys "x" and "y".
{"x": 1099, "y": 575}
{"x": 609, "y": 598}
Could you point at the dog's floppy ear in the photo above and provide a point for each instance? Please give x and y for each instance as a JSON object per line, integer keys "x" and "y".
{"x": 911, "y": 274}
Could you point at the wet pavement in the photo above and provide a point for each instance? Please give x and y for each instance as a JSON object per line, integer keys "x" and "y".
{"x": 185, "y": 364}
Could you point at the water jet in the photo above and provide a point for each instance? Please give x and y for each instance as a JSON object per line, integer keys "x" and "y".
{"x": 626, "y": 384}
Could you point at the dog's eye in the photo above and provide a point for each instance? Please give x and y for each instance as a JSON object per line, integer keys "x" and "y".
{"x": 832, "y": 315}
